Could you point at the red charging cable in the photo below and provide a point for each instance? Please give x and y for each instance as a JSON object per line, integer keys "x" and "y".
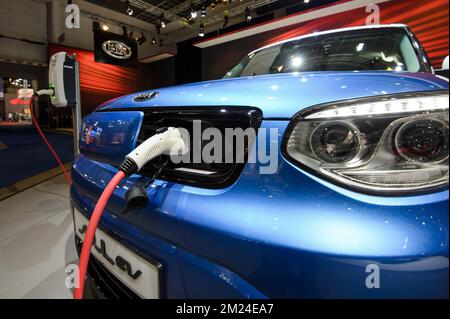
{"x": 90, "y": 233}
{"x": 154, "y": 146}
{"x": 36, "y": 124}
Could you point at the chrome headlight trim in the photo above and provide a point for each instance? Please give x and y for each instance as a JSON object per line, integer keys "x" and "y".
{"x": 327, "y": 112}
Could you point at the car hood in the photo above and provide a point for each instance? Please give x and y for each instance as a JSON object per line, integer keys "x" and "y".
{"x": 283, "y": 95}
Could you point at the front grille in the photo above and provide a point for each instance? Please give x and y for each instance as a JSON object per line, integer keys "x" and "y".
{"x": 217, "y": 174}
{"x": 105, "y": 284}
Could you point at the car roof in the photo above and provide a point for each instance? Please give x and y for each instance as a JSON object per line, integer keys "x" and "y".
{"x": 375, "y": 26}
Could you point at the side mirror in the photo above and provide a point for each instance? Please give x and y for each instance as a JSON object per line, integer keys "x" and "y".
{"x": 445, "y": 63}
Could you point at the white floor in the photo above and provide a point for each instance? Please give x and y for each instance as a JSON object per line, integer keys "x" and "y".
{"x": 36, "y": 242}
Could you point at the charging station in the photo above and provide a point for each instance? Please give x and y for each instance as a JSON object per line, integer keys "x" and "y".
{"x": 64, "y": 84}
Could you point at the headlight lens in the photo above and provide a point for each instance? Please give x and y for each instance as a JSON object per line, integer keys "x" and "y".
{"x": 393, "y": 144}
{"x": 335, "y": 142}
{"x": 423, "y": 141}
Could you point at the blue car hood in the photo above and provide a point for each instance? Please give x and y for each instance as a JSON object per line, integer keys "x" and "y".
{"x": 283, "y": 95}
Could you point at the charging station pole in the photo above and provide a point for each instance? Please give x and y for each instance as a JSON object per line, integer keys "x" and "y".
{"x": 64, "y": 89}
{"x": 76, "y": 111}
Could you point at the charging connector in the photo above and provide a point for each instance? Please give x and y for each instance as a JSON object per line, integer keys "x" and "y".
{"x": 50, "y": 92}
{"x": 168, "y": 142}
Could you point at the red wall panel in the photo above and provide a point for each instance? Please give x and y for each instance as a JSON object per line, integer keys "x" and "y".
{"x": 428, "y": 19}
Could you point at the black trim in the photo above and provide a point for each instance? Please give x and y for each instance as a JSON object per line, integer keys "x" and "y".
{"x": 161, "y": 269}
{"x": 219, "y": 116}
{"x": 312, "y": 109}
{"x": 420, "y": 51}
{"x": 128, "y": 166}
{"x": 163, "y": 275}
{"x": 104, "y": 284}
{"x": 107, "y": 285}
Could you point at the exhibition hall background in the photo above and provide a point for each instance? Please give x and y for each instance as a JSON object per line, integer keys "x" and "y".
{"x": 25, "y": 50}
{"x": 99, "y": 82}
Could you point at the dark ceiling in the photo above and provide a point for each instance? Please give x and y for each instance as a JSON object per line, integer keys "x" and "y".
{"x": 165, "y": 5}
{"x": 170, "y": 5}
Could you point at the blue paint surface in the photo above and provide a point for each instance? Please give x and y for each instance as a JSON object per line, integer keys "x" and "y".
{"x": 288, "y": 234}
{"x": 283, "y": 95}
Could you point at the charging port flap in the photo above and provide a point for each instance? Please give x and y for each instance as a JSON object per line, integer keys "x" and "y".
{"x": 109, "y": 136}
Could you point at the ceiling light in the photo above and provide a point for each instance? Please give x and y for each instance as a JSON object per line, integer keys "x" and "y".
{"x": 203, "y": 11}
{"x": 248, "y": 16}
{"x": 141, "y": 40}
{"x": 225, "y": 21}
{"x": 105, "y": 27}
{"x": 153, "y": 41}
{"x": 201, "y": 32}
{"x": 193, "y": 12}
{"x": 124, "y": 31}
{"x": 306, "y": 1}
{"x": 95, "y": 26}
{"x": 129, "y": 9}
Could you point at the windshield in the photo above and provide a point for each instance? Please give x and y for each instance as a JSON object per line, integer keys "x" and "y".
{"x": 376, "y": 49}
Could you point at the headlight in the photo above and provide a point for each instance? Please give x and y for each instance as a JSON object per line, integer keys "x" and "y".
{"x": 390, "y": 144}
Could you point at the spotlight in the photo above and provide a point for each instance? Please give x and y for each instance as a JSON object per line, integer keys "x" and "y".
{"x": 248, "y": 16}
{"x": 153, "y": 41}
{"x": 201, "y": 32}
{"x": 95, "y": 26}
{"x": 124, "y": 31}
{"x": 141, "y": 40}
{"x": 203, "y": 11}
{"x": 225, "y": 21}
{"x": 162, "y": 22}
{"x": 105, "y": 27}
{"x": 306, "y": 1}
{"x": 129, "y": 9}
{"x": 193, "y": 12}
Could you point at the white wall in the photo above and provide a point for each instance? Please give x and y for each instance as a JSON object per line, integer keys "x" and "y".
{"x": 23, "y": 19}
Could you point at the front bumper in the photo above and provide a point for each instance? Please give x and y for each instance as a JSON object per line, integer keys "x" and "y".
{"x": 101, "y": 284}
{"x": 286, "y": 235}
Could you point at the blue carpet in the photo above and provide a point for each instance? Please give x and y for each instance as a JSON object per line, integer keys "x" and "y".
{"x": 26, "y": 153}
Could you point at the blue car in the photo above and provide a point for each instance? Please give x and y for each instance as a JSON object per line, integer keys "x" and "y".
{"x": 342, "y": 192}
